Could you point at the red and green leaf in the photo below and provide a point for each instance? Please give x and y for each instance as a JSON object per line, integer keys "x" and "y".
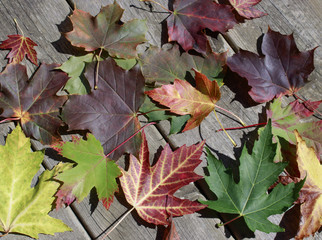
{"x": 105, "y": 32}
{"x": 182, "y": 98}
{"x": 150, "y": 189}
{"x": 191, "y": 17}
{"x": 33, "y": 102}
{"x": 110, "y": 112}
{"x": 281, "y": 70}
{"x": 286, "y": 120}
{"x": 20, "y": 47}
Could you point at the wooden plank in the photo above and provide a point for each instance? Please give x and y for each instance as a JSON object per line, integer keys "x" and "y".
{"x": 39, "y": 19}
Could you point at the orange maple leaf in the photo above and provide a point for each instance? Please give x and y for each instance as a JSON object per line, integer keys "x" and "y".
{"x": 20, "y": 46}
{"x": 311, "y": 194}
{"x": 182, "y": 98}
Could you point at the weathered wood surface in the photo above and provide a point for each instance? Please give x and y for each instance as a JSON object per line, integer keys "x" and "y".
{"x": 43, "y": 20}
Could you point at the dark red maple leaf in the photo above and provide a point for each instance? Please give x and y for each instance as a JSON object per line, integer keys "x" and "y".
{"x": 150, "y": 189}
{"x": 281, "y": 70}
{"x": 20, "y": 46}
{"x": 245, "y": 8}
{"x": 190, "y": 17}
{"x": 34, "y": 103}
{"x": 110, "y": 112}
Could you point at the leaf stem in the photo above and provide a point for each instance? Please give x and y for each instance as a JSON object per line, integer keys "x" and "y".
{"x": 154, "y": 110}
{"x": 233, "y": 142}
{"x": 306, "y": 103}
{"x": 118, "y": 222}
{"x": 18, "y": 26}
{"x": 151, "y": 123}
{"x": 9, "y": 119}
{"x": 231, "y": 113}
{"x": 158, "y": 4}
{"x": 97, "y": 67}
{"x": 223, "y": 224}
{"x": 248, "y": 126}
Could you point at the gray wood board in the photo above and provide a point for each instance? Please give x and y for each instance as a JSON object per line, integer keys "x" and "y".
{"x": 39, "y": 20}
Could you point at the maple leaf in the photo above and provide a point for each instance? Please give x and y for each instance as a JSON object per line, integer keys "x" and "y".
{"x": 248, "y": 198}
{"x": 281, "y": 70}
{"x": 190, "y": 17}
{"x": 20, "y": 46}
{"x": 311, "y": 194}
{"x": 93, "y": 169}
{"x": 150, "y": 189}
{"x": 286, "y": 120}
{"x": 182, "y": 98}
{"x": 245, "y": 8}
{"x": 23, "y": 209}
{"x": 34, "y": 103}
{"x": 110, "y": 112}
{"x": 105, "y": 31}
{"x": 166, "y": 65}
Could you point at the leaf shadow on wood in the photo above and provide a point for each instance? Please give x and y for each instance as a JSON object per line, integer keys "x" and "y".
{"x": 62, "y": 45}
{"x": 240, "y": 87}
{"x": 291, "y": 222}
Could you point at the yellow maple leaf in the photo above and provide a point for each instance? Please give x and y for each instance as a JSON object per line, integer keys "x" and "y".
{"x": 311, "y": 193}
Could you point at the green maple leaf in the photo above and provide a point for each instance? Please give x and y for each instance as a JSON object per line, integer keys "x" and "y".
{"x": 23, "y": 209}
{"x": 249, "y": 198}
{"x": 93, "y": 169}
{"x": 75, "y": 66}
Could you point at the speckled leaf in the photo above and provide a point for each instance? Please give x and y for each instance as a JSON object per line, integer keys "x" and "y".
{"x": 105, "y": 31}
{"x": 191, "y": 17}
{"x": 150, "y": 189}
{"x": 281, "y": 70}
{"x": 245, "y": 8}
{"x": 93, "y": 169}
{"x": 110, "y": 112}
{"x": 167, "y": 64}
{"x": 20, "y": 47}
{"x": 248, "y": 198}
{"x": 182, "y": 98}
{"x": 23, "y": 209}
{"x": 34, "y": 103}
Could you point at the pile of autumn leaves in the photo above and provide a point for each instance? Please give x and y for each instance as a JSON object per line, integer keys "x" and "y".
{"x": 107, "y": 90}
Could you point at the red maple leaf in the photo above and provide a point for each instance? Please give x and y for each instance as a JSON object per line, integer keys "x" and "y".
{"x": 33, "y": 102}
{"x": 150, "y": 189}
{"x": 245, "y": 8}
{"x": 190, "y": 17}
{"x": 281, "y": 70}
{"x": 110, "y": 112}
{"x": 20, "y": 46}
